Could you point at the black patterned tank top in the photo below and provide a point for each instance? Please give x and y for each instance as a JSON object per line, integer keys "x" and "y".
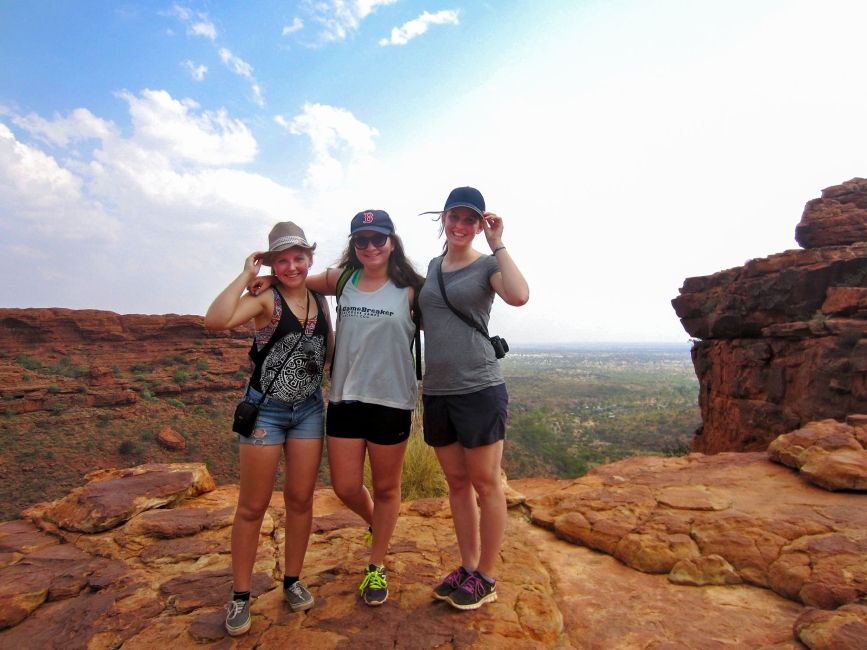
{"x": 270, "y": 346}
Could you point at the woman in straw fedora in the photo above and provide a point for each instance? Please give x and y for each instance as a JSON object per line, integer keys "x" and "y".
{"x": 291, "y": 348}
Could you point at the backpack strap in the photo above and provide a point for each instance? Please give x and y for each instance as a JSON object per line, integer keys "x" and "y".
{"x": 342, "y": 279}
{"x": 345, "y": 274}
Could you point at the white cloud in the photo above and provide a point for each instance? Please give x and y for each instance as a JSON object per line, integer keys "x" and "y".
{"x": 144, "y": 214}
{"x": 236, "y": 64}
{"x": 341, "y": 17}
{"x": 337, "y": 137}
{"x": 198, "y": 23}
{"x": 409, "y": 30}
{"x": 38, "y": 193}
{"x": 178, "y": 131}
{"x": 204, "y": 28}
{"x": 296, "y": 26}
{"x": 81, "y": 124}
{"x": 197, "y": 72}
{"x": 243, "y": 69}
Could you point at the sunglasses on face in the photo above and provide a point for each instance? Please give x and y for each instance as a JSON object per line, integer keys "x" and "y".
{"x": 309, "y": 352}
{"x": 361, "y": 241}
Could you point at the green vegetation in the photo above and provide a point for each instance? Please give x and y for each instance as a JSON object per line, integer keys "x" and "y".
{"x": 422, "y": 476}
{"x": 572, "y": 409}
{"x": 127, "y": 448}
{"x": 27, "y": 362}
{"x": 64, "y": 367}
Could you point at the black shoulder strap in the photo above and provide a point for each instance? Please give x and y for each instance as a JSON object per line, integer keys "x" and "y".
{"x": 291, "y": 350}
{"x": 416, "y": 339}
{"x": 460, "y": 315}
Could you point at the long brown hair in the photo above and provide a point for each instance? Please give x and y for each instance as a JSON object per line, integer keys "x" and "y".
{"x": 400, "y": 270}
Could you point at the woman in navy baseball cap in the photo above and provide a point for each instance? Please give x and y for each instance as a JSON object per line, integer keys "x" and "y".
{"x": 464, "y": 393}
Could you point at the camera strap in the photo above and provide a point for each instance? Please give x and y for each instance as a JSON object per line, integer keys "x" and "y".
{"x": 291, "y": 350}
{"x": 469, "y": 321}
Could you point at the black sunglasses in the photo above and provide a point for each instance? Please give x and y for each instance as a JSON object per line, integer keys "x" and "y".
{"x": 361, "y": 241}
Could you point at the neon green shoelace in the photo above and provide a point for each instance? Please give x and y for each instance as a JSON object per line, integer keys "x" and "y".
{"x": 373, "y": 580}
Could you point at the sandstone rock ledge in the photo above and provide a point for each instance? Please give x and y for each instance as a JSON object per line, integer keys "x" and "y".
{"x": 780, "y": 559}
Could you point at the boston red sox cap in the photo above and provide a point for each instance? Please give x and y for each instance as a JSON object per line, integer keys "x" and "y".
{"x": 375, "y": 220}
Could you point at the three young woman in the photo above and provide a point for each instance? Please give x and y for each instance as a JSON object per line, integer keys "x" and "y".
{"x": 373, "y": 392}
{"x": 291, "y": 347}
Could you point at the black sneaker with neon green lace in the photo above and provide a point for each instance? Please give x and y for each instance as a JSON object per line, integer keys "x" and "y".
{"x": 474, "y": 592}
{"x": 374, "y": 587}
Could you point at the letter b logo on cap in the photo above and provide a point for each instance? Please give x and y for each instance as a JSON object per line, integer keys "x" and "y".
{"x": 368, "y": 217}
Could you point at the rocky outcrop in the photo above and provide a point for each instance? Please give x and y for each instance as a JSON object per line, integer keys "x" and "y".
{"x": 170, "y": 439}
{"x": 837, "y": 218}
{"x": 88, "y": 358}
{"x": 830, "y": 454}
{"x": 608, "y": 560}
{"x": 780, "y": 341}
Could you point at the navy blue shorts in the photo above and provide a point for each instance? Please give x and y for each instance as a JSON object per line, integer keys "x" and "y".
{"x": 472, "y": 419}
{"x": 381, "y": 425}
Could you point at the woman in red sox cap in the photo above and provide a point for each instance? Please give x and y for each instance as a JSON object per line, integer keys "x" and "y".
{"x": 465, "y": 398}
{"x": 373, "y": 384}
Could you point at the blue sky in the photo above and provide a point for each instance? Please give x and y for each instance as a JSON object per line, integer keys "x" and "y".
{"x": 147, "y": 147}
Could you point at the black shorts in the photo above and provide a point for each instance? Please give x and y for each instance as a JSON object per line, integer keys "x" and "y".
{"x": 473, "y": 419}
{"x": 381, "y": 425}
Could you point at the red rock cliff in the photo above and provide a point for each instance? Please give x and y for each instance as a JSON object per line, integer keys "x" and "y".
{"x": 84, "y": 357}
{"x": 780, "y": 340}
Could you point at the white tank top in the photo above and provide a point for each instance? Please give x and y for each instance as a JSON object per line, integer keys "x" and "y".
{"x": 373, "y": 354}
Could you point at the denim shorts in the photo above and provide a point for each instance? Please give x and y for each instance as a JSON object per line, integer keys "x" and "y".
{"x": 280, "y": 421}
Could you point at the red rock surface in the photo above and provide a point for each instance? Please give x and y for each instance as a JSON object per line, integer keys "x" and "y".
{"x": 171, "y": 439}
{"x": 838, "y": 218}
{"x": 783, "y": 563}
{"x": 831, "y": 454}
{"x": 781, "y": 340}
{"x": 85, "y": 356}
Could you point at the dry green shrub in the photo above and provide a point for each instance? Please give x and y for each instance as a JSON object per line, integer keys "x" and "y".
{"x": 422, "y": 476}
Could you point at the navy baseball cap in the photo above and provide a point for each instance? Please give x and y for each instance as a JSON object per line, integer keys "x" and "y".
{"x": 464, "y": 197}
{"x": 375, "y": 220}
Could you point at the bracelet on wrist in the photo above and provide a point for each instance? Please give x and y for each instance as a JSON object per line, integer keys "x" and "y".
{"x": 501, "y": 247}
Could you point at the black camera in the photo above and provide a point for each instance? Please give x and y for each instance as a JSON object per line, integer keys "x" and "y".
{"x": 245, "y": 418}
{"x": 500, "y": 346}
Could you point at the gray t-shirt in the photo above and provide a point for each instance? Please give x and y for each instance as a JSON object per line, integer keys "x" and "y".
{"x": 373, "y": 353}
{"x": 458, "y": 358}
